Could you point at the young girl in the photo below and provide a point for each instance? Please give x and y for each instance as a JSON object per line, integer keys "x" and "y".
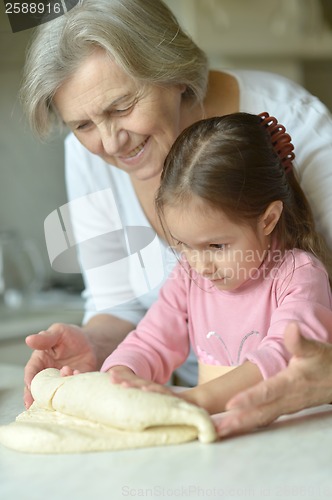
{"x": 249, "y": 263}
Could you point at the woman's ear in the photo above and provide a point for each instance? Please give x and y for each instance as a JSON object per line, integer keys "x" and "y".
{"x": 271, "y": 216}
{"x": 183, "y": 87}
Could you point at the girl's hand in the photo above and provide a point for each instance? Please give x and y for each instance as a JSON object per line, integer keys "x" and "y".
{"x": 67, "y": 371}
{"x": 124, "y": 376}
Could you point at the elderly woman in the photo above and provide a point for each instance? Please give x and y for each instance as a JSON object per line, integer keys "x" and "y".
{"x": 126, "y": 80}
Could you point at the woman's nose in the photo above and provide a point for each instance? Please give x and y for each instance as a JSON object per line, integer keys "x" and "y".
{"x": 112, "y": 139}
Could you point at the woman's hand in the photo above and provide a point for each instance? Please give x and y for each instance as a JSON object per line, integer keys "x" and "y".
{"x": 61, "y": 345}
{"x": 127, "y": 378}
{"x": 306, "y": 382}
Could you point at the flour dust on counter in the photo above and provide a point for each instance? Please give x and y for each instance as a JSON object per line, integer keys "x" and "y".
{"x": 85, "y": 412}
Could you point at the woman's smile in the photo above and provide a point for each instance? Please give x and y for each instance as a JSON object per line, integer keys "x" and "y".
{"x": 134, "y": 153}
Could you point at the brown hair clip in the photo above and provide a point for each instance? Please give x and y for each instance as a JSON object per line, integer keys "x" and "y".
{"x": 281, "y": 141}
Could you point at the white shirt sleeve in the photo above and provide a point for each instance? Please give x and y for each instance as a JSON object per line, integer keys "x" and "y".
{"x": 311, "y": 129}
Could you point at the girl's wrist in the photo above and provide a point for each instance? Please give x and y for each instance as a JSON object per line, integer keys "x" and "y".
{"x": 192, "y": 396}
{"x": 120, "y": 369}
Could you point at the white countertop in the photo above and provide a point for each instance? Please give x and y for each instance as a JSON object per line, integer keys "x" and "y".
{"x": 290, "y": 459}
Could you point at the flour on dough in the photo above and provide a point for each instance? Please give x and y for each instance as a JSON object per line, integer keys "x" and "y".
{"x": 86, "y": 412}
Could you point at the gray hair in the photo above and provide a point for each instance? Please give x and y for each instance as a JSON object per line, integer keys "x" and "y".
{"x": 142, "y": 36}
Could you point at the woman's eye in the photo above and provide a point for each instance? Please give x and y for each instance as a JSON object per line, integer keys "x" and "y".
{"x": 123, "y": 110}
{"x": 82, "y": 126}
{"x": 118, "y": 111}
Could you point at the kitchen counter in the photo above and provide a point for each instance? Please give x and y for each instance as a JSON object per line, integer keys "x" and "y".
{"x": 290, "y": 459}
{"x": 36, "y": 314}
{"x": 39, "y": 312}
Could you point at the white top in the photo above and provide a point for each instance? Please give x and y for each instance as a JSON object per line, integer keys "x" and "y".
{"x": 124, "y": 269}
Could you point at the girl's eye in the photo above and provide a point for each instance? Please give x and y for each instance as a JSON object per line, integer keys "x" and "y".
{"x": 179, "y": 243}
{"x": 218, "y": 246}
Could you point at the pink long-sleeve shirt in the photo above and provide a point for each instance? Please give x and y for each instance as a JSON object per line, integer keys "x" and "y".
{"x": 228, "y": 327}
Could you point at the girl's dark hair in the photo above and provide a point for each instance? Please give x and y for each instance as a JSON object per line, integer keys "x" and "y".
{"x": 230, "y": 163}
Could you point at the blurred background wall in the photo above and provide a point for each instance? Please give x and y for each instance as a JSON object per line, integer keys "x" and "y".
{"x": 290, "y": 37}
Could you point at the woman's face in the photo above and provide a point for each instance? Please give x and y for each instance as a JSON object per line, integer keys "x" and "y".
{"x": 129, "y": 125}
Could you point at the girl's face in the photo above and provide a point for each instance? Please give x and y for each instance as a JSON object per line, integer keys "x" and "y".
{"x": 226, "y": 253}
{"x": 129, "y": 125}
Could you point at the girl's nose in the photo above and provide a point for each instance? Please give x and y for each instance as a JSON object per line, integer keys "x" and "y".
{"x": 206, "y": 266}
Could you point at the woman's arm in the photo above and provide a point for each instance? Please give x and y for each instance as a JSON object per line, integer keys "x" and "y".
{"x": 105, "y": 333}
{"x": 82, "y": 349}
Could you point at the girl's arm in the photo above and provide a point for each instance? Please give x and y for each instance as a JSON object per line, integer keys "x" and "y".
{"x": 306, "y": 382}
{"x": 160, "y": 343}
{"x": 124, "y": 376}
{"x": 213, "y": 395}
